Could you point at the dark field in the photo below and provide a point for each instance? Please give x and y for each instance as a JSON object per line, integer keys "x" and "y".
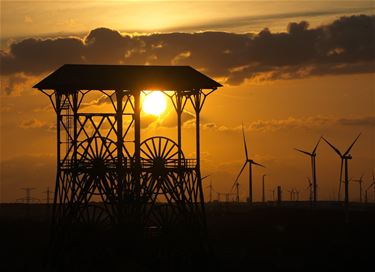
{"x": 290, "y": 237}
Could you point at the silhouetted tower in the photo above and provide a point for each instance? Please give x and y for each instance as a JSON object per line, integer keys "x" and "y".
{"x": 263, "y": 189}
{"x": 360, "y": 182}
{"x": 237, "y": 192}
{"x": 279, "y": 194}
{"x": 211, "y": 189}
{"x": 27, "y": 198}
{"x": 273, "y": 194}
{"x": 372, "y": 184}
{"x": 310, "y": 188}
{"x": 236, "y": 186}
{"x": 291, "y": 194}
{"x": 106, "y": 172}
{"x": 344, "y": 163}
{"x": 218, "y": 197}
{"x": 227, "y": 197}
{"x": 312, "y": 156}
{"x": 251, "y": 163}
{"x": 48, "y": 193}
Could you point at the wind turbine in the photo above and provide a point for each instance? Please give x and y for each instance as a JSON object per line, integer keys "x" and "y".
{"x": 369, "y": 187}
{"x": 250, "y": 162}
{"x": 344, "y": 162}
{"x": 360, "y": 181}
{"x": 313, "y": 167}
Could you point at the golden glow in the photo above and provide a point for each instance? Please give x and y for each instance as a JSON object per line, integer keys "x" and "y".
{"x": 154, "y": 103}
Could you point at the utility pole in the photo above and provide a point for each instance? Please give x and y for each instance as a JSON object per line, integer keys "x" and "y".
{"x": 48, "y": 192}
{"x": 226, "y": 197}
{"x": 27, "y": 199}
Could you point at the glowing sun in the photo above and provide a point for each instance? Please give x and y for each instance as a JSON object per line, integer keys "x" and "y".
{"x": 154, "y": 103}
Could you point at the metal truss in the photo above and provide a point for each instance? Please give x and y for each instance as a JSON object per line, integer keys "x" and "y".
{"x": 107, "y": 178}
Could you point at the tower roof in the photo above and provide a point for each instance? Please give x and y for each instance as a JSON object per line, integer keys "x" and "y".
{"x": 126, "y": 77}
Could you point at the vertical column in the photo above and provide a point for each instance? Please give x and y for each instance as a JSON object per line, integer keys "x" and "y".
{"x": 279, "y": 194}
{"x": 137, "y": 153}
{"x": 197, "y": 127}
{"x": 58, "y": 154}
{"x": 314, "y": 179}
{"x": 197, "y": 106}
{"x": 137, "y": 127}
{"x": 346, "y": 183}
{"x": 250, "y": 185}
{"x": 119, "y": 143}
{"x": 179, "y": 124}
{"x": 75, "y": 143}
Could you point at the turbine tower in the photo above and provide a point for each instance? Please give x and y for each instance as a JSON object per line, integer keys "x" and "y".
{"x": 344, "y": 163}
{"x": 263, "y": 189}
{"x": 310, "y": 187}
{"x": 313, "y": 167}
{"x": 369, "y": 187}
{"x": 250, "y": 162}
{"x": 360, "y": 181}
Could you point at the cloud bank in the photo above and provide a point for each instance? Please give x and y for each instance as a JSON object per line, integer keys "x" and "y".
{"x": 345, "y": 46}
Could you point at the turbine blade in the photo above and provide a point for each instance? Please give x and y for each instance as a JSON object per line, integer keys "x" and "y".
{"x": 361, "y": 177}
{"x": 244, "y": 143}
{"x": 372, "y": 184}
{"x": 333, "y": 147}
{"x": 253, "y": 162}
{"x": 304, "y": 152}
{"x": 314, "y": 151}
{"x": 350, "y": 147}
{"x": 309, "y": 181}
{"x": 205, "y": 177}
{"x": 239, "y": 174}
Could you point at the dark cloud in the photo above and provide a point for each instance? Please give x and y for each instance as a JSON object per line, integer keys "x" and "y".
{"x": 345, "y": 46}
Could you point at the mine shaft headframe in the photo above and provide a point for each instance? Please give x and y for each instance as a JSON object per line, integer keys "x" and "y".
{"x": 127, "y": 80}
{"x": 124, "y": 81}
{"x": 122, "y": 86}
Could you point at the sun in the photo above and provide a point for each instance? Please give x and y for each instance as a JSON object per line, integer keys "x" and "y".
{"x": 154, "y": 103}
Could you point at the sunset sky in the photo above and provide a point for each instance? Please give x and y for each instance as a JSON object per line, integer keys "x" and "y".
{"x": 292, "y": 71}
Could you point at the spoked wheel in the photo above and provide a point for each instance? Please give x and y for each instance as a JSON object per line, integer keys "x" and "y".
{"x": 160, "y": 152}
{"x": 94, "y": 215}
{"x": 96, "y": 161}
{"x": 160, "y": 180}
